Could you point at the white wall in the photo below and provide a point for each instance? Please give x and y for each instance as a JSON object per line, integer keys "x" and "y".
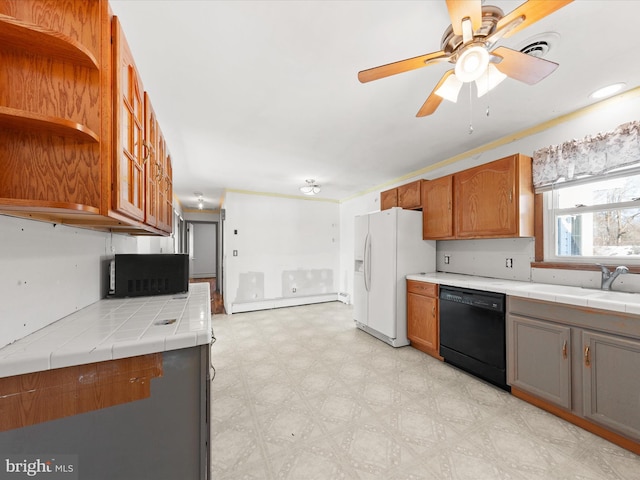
{"x": 49, "y": 271}
{"x": 282, "y": 244}
{"x": 486, "y": 257}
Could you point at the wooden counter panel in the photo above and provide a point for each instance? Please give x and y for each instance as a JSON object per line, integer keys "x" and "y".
{"x": 42, "y": 396}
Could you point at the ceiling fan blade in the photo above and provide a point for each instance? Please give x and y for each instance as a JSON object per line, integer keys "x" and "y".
{"x": 461, "y": 9}
{"x": 399, "y": 67}
{"x": 434, "y": 100}
{"x": 531, "y": 12}
{"x": 523, "y": 67}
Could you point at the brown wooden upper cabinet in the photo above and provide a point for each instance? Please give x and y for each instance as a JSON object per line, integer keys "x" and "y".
{"x": 132, "y": 148}
{"x": 437, "y": 208}
{"x": 74, "y": 139}
{"x": 389, "y": 199}
{"x": 407, "y": 196}
{"x": 494, "y": 200}
{"x": 51, "y": 108}
{"x": 157, "y": 173}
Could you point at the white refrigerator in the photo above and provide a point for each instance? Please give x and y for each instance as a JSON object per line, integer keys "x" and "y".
{"x": 388, "y": 246}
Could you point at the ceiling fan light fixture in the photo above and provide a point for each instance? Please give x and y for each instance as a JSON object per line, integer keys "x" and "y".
{"x": 472, "y": 63}
{"x": 450, "y": 89}
{"x": 491, "y": 78}
{"x": 311, "y": 188}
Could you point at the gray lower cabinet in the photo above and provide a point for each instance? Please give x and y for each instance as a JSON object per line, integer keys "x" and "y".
{"x": 539, "y": 360}
{"x": 583, "y": 360}
{"x": 163, "y": 437}
{"x": 611, "y": 382}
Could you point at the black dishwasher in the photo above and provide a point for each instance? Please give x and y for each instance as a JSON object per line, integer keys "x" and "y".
{"x": 472, "y": 332}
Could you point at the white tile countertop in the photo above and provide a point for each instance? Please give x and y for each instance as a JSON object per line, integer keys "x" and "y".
{"x": 584, "y": 297}
{"x": 114, "y": 328}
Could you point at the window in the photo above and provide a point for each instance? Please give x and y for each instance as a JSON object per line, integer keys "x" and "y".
{"x": 594, "y": 220}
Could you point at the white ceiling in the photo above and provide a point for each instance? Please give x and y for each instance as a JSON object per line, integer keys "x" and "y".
{"x": 261, "y": 95}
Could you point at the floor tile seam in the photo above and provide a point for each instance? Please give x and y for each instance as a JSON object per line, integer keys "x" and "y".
{"x": 302, "y": 446}
{"x": 331, "y": 434}
{"x": 421, "y": 466}
{"x": 576, "y": 450}
{"x": 342, "y": 455}
{"x": 260, "y": 438}
{"x": 255, "y": 420}
{"x": 493, "y": 453}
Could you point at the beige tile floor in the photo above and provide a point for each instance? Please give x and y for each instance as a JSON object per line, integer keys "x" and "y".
{"x": 300, "y": 393}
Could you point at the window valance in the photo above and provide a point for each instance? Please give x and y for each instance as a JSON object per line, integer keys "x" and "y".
{"x": 593, "y": 155}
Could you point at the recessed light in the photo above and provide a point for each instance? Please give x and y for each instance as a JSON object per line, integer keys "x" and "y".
{"x": 608, "y": 90}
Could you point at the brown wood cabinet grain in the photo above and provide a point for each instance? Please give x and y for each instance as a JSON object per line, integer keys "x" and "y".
{"x": 389, "y": 199}
{"x": 51, "y": 394}
{"x": 495, "y": 199}
{"x": 423, "y": 326}
{"x": 72, "y": 125}
{"x": 437, "y": 209}
{"x": 410, "y": 195}
{"x": 407, "y": 196}
{"x": 132, "y": 149}
{"x": 47, "y": 58}
{"x": 152, "y": 167}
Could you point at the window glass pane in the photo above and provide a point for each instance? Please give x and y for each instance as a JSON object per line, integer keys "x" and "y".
{"x": 604, "y": 233}
{"x": 614, "y": 190}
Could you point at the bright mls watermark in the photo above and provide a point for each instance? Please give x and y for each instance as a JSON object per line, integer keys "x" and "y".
{"x": 50, "y": 467}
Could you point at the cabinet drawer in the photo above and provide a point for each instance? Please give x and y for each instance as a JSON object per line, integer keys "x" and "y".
{"x": 422, "y": 288}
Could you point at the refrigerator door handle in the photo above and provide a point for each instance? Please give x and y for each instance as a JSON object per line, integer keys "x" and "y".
{"x": 367, "y": 262}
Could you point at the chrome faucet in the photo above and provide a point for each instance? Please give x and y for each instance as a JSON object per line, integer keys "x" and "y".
{"x": 609, "y": 277}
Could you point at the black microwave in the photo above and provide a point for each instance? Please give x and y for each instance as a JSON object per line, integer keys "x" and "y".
{"x": 136, "y": 275}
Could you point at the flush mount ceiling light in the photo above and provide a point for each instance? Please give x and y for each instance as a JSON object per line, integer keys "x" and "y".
{"x": 311, "y": 188}
{"x": 608, "y": 90}
{"x": 200, "y": 198}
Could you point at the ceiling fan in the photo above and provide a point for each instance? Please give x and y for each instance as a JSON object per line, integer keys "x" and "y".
{"x": 467, "y": 44}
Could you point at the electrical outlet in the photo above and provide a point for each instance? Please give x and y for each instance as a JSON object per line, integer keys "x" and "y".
{"x": 235, "y": 253}
{"x": 509, "y": 263}
{"x": 293, "y": 290}
{"x": 446, "y": 259}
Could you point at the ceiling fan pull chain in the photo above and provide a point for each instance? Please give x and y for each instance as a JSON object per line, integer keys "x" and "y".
{"x": 470, "y": 110}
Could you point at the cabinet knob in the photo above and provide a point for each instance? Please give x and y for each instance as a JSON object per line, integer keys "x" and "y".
{"x": 564, "y": 350}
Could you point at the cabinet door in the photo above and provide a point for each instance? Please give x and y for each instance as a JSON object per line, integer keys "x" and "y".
{"x": 437, "y": 208}
{"x": 538, "y": 359}
{"x": 151, "y": 165}
{"x": 167, "y": 192}
{"x": 611, "y": 382}
{"x": 129, "y": 193}
{"x": 389, "y": 199}
{"x": 487, "y": 200}
{"x": 422, "y": 323}
{"x": 410, "y": 195}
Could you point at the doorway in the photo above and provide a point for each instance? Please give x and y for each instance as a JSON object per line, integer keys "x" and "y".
{"x": 203, "y": 258}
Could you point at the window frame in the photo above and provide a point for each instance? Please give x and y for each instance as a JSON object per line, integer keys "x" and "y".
{"x": 549, "y": 223}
